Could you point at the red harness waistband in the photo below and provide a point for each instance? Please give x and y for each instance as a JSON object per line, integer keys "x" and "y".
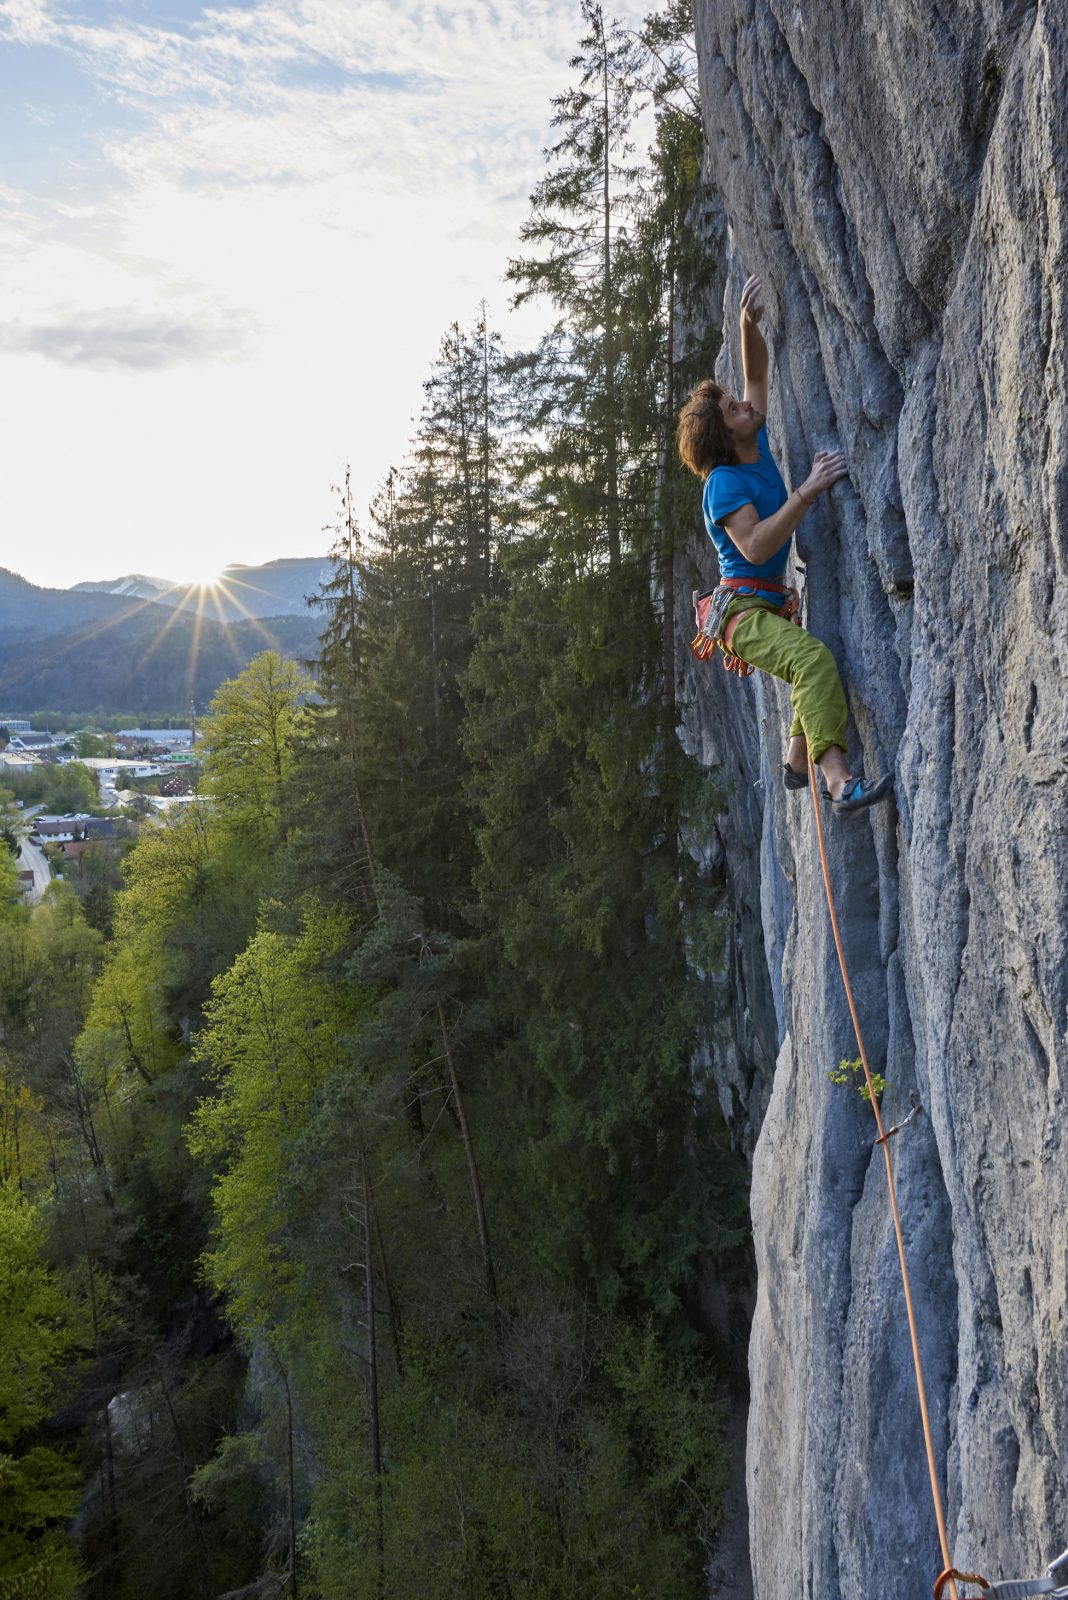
{"x": 714, "y": 629}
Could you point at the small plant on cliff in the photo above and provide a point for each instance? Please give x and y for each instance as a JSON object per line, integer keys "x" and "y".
{"x": 848, "y": 1071}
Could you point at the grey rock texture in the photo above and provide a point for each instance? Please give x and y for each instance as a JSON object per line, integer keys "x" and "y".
{"x": 898, "y": 175}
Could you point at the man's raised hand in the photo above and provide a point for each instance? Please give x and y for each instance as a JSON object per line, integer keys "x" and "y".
{"x": 827, "y": 467}
{"x": 752, "y": 299}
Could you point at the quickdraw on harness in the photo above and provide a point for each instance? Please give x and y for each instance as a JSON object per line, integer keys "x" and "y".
{"x": 1054, "y": 1584}
{"x": 714, "y": 628}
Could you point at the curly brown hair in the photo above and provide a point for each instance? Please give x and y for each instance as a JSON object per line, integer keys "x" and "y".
{"x": 704, "y": 441}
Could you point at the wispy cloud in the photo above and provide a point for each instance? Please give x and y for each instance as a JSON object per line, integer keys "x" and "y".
{"x": 418, "y": 94}
{"x": 26, "y": 21}
{"x": 125, "y": 340}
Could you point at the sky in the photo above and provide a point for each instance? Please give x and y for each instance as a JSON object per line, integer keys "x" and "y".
{"x": 231, "y": 238}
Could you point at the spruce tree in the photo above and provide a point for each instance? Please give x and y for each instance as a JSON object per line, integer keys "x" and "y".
{"x": 668, "y": 274}
{"x": 578, "y": 212}
{"x": 398, "y": 635}
{"x": 582, "y": 788}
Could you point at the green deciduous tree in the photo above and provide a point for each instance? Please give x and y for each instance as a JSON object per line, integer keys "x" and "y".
{"x": 71, "y": 787}
{"x": 13, "y": 825}
{"x": 272, "y": 1038}
{"x": 249, "y": 743}
{"x": 39, "y": 1488}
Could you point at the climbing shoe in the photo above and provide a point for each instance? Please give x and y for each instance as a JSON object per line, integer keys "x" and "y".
{"x": 792, "y": 779}
{"x": 860, "y": 793}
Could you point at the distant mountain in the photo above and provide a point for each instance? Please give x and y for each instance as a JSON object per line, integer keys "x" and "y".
{"x": 82, "y": 650}
{"x": 27, "y": 609}
{"x": 276, "y": 589}
{"x": 137, "y": 586}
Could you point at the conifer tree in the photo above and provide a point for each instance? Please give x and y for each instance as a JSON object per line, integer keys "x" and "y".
{"x": 581, "y": 785}
{"x": 577, "y": 213}
{"x": 667, "y": 275}
{"x": 398, "y": 633}
{"x": 460, "y": 444}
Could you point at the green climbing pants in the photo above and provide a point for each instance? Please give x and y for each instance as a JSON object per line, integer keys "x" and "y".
{"x": 768, "y": 641}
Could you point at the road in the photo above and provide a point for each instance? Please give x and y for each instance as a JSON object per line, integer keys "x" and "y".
{"x": 31, "y": 859}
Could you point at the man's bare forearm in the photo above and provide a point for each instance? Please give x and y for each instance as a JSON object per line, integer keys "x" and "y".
{"x": 769, "y": 536}
{"x": 754, "y": 352}
{"x": 759, "y": 541}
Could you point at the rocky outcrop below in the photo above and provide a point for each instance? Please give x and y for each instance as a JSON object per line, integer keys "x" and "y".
{"x": 898, "y": 175}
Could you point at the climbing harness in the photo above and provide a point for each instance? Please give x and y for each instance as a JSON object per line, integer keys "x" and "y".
{"x": 710, "y": 608}
{"x": 1055, "y": 1583}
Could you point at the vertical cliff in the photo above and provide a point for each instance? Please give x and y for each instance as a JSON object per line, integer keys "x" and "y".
{"x": 898, "y": 175}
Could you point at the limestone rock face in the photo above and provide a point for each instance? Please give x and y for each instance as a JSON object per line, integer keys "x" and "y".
{"x": 898, "y": 175}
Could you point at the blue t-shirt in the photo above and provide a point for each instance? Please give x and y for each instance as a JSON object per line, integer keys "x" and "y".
{"x": 727, "y": 488}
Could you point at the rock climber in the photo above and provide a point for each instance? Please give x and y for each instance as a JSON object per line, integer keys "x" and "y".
{"x": 751, "y": 519}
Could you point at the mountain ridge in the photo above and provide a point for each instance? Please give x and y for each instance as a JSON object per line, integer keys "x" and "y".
{"x": 83, "y": 650}
{"x": 241, "y": 590}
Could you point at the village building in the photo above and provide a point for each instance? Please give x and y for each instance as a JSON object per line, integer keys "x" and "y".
{"x": 108, "y": 768}
{"x": 167, "y": 738}
{"x": 78, "y": 826}
{"x": 29, "y": 741}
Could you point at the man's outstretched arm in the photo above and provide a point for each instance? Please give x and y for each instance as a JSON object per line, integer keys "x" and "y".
{"x": 754, "y": 350}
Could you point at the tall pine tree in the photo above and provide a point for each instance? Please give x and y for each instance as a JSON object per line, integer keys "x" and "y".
{"x": 582, "y": 787}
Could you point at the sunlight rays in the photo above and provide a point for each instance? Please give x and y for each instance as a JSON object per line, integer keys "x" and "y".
{"x": 223, "y": 585}
{"x": 205, "y": 613}
{"x": 192, "y": 604}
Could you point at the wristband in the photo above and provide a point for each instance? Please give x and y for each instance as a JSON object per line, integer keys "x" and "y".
{"x": 806, "y": 503}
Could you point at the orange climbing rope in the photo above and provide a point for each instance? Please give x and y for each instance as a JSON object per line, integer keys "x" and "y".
{"x": 949, "y": 1574}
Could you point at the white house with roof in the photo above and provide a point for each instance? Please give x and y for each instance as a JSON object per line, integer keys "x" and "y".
{"x": 31, "y": 741}
{"x": 108, "y": 769}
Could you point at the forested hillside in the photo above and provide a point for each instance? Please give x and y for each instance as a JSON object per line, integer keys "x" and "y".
{"x": 362, "y": 1204}
{"x": 153, "y": 657}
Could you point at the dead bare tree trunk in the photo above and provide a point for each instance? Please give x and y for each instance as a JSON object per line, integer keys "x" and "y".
{"x": 291, "y": 1475}
{"x": 395, "y": 1329}
{"x": 108, "y": 1463}
{"x": 664, "y": 518}
{"x": 359, "y": 1208}
{"x": 374, "y": 1428}
{"x": 489, "y": 1275}
{"x": 487, "y": 528}
{"x": 205, "y": 1585}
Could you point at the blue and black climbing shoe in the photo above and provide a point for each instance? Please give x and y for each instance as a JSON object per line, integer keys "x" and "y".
{"x": 859, "y": 793}
{"x": 792, "y": 779}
